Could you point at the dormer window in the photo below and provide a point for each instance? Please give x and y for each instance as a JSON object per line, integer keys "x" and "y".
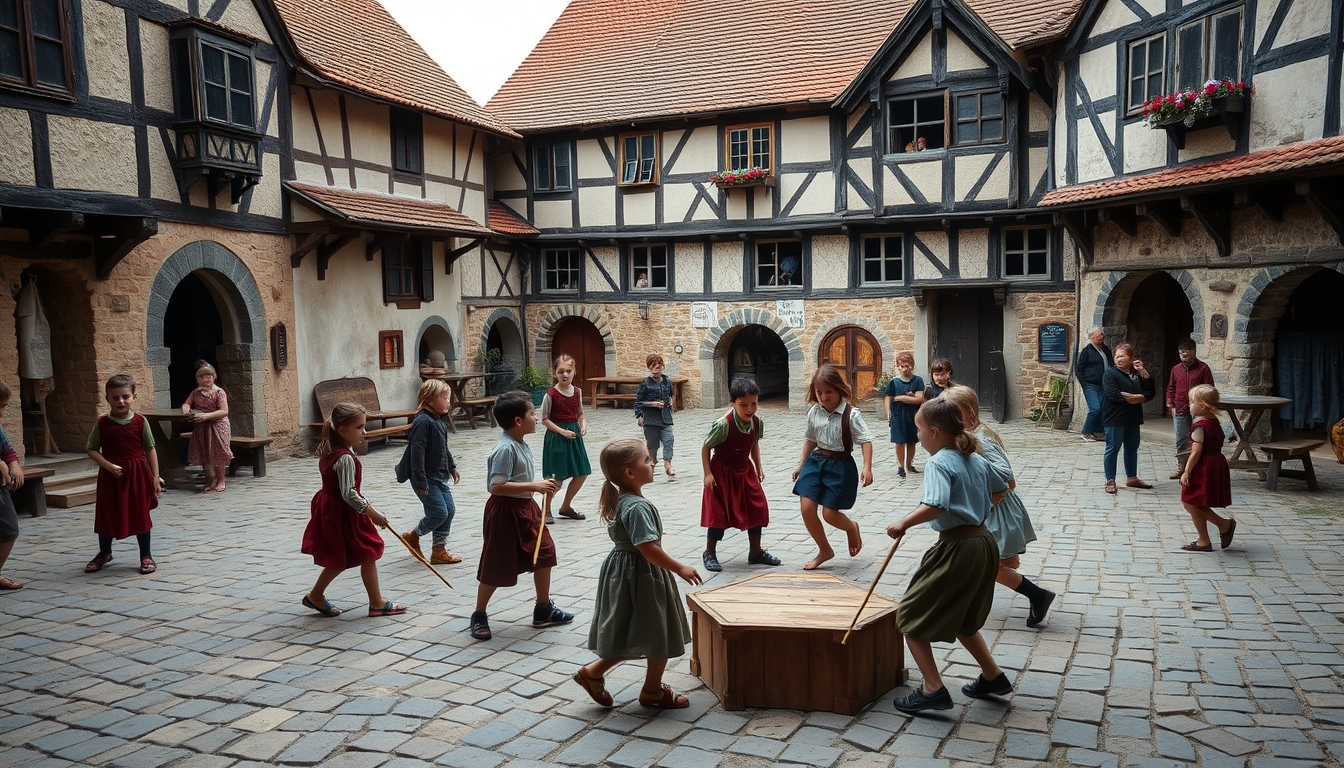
{"x": 35, "y": 45}
{"x": 407, "y": 142}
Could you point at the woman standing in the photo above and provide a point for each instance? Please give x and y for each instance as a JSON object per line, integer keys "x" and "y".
{"x": 1126, "y": 387}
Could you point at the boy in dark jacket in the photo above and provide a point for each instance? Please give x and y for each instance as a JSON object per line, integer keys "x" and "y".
{"x": 428, "y": 464}
{"x": 653, "y": 411}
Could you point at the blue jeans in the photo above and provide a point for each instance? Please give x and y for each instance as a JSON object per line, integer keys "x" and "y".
{"x": 1181, "y": 423}
{"x": 1093, "y": 423}
{"x": 439, "y": 509}
{"x": 656, "y": 436}
{"x": 1129, "y": 438}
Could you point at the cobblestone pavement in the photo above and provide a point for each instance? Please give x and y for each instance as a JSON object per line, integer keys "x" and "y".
{"x": 1151, "y": 656}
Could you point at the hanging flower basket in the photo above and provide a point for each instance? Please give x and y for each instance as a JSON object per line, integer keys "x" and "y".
{"x": 1188, "y": 107}
{"x": 747, "y": 177}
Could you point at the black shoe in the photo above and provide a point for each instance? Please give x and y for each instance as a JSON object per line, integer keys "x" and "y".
{"x": 981, "y": 688}
{"x": 764, "y": 558}
{"x": 548, "y": 615}
{"x": 901, "y": 473}
{"x": 1039, "y": 608}
{"x": 920, "y": 701}
{"x": 913, "y": 471}
{"x": 711, "y": 561}
{"x": 480, "y": 626}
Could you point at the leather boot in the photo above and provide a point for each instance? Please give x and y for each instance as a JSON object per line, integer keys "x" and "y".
{"x": 441, "y": 556}
{"x": 413, "y": 538}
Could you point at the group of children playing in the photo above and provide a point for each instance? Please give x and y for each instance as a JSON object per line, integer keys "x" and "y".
{"x": 968, "y": 497}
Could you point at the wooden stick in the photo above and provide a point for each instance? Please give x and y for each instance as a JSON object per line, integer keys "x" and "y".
{"x": 545, "y": 512}
{"x": 417, "y": 553}
{"x": 871, "y": 587}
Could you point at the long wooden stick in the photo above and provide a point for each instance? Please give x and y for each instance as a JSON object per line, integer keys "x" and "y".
{"x": 417, "y": 553}
{"x": 871, "y": 587}
{"x": 545, "y": 512}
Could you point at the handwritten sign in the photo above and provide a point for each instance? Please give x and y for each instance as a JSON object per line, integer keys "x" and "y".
{"x": 1052, "y": 343}
{"x": 704, "y": 314}
{"x": 791, "y": 312}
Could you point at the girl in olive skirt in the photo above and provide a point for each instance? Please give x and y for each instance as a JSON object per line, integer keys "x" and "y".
{"x": 952, "y": 590}
{"x": 563, "y": 455}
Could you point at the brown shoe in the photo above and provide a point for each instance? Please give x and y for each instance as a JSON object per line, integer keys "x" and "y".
{"x": 441, "y": 556}
{"x": 1176, "y": 474}
{"x": 1110, "y": 486}
{"x": 1135, "y": 482}
{"x": 413, "y": 539}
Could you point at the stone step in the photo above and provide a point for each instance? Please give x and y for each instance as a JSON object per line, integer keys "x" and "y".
{"x": 76, "y": 496}
{"x": 66, "y": 481}
{"x": 61, "y": 463}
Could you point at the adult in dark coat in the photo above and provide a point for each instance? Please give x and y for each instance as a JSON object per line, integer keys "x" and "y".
{"x": 1091, "y": 363}
{"x": 1125, "y": 388}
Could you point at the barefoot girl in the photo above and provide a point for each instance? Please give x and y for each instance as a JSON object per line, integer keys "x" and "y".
{"x": 904, "y": 395}
{"x": 208, "y": 409}
{"x": 826, "y": 476}
{"x": 563, "y": 454}
{"x": 1206, "y": 482}
{"x": 128, "y": 475}
{"x": 341, "y": 531}
{"x": 1008, "y": 520}
{"x": 952, "y": 590}
{"x": 638, "y": 612}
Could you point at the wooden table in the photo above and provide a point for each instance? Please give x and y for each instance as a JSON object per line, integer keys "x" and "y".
{"x": 168, "y": 442}
{"x": 1246, "y": 412}
{"x": 457, "y": 385}
{"x": 608, "y": 388}
{"x": 773, "y": 640}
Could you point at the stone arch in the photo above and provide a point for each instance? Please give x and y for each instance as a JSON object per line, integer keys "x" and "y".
{"x": 1251, "y": 364}
{"x": 504, "y": 313}
{"x": 435, "y": 322}
{"x": 1113, "y": 302}
{"x": 541, "y": 348}
{"x": 875, "y": 330}
{"x": 242, "y": 367}
{"x": 714, "y": 351}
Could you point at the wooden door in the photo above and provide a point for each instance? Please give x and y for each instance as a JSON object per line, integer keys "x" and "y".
{"x": 855, "y": 353}
{"x": 580, "y": 339}
{"x": 970, "y": 327}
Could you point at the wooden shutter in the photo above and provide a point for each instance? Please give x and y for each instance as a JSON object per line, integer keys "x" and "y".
{"x": 426, "y": 269}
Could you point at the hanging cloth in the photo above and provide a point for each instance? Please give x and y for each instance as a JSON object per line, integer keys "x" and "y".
{"x": 1308, "y": 370}
{"x": 34, "y": 335}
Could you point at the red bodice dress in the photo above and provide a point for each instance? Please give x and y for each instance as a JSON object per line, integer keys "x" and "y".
{"x": 736, "y": 500}
{"x": 1210, "y": 480}
{"x": 337, "y": 536}
{"x": 123, "y": 503}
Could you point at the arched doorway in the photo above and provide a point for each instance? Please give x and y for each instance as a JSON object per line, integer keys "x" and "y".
{"x": 579, "y": 338}
{"x": 1308, "y": 360}
{"x": 856, "y": 354}
{"x": 434, "y": 337}
{"x": 192, "y": 330}
{"x": 71, "y": 403}
{"x": 1160, "y": 318}
{"x": 759, "y": 353}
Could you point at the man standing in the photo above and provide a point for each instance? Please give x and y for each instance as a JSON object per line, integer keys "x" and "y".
{"x": 1190, "y": 373}
{"x": 1092, "y": 362}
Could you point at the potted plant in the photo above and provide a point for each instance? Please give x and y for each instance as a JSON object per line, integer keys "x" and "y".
{"x": 1064, "y": 413}
{"x": 880, "y": 388}
{"x": 535, "y": 380}
{"x": 743, "y": 177}
{"x": 499, "y": 376}
{"x": 1187, "y": 107}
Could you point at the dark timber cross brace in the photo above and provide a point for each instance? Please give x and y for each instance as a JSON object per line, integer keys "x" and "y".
{"x": 1214, "y": 213}
{"x": 1326, "y": 201}
{"x": 1166, "y": 213}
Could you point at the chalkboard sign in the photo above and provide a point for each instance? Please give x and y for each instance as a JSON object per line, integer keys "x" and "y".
{"x": 1052, "y": 343}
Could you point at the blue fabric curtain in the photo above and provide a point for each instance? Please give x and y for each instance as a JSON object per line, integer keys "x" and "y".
{"x": 1309, "y": 369}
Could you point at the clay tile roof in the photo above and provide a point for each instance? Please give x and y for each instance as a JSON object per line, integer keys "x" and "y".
{"x": 1266, "y": 162}
{"x": 357, "y": 44}
{"x": 614, "y": 61}
{"x": 379, "y": 211}
{"x": 505, "y": 222}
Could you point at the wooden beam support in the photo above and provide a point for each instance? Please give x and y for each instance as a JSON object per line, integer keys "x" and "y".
{"x": 328, "y": 249}
{"x": 1123, "y": 217}
{"x": 1214, "y": 213}
{"x": 306, "y": 247}
{"x": 1075, "y": 223}
{"x": 378, "y": 242}
{"x": 1269, "y": 201}
{"x": 115, "y": 241}
{"x": 1163, "y": 212}
{"x": 44, "y": 226}
{"x": 451, "y": 256}
{"x": 1326, "y": 201}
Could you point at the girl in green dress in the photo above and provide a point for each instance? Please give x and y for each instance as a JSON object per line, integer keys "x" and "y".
{"x": 638, "y": 610}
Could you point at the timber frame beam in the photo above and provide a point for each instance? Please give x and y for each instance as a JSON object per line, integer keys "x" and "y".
{"x": 1214, "y": 213}
{"x": 1165, "y": 213}
{"x": 1326, "y": 201}
{"x": 1124, "y": 217}
{"x": 1075, "y": 223}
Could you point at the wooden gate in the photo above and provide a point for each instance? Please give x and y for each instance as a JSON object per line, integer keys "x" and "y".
{"x": 970, "y": 327}
{"x": 856, "y": 354}
{"x": 580, "y": 339}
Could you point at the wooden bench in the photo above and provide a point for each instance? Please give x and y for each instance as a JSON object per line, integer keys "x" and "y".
{"x": 31, "y": 499}
{"x": 361, "y": 391}
{"x": 614, "y": 398}
{"x": 1290, "y": 450}
{"x": 249, "y": 452}
{"x": 481, "y": 407}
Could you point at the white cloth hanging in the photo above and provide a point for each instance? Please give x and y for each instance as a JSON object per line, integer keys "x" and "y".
{"x": 34, "y": 335}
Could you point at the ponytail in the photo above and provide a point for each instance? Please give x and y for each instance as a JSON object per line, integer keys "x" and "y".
{"x": 341, "y": 414}
{"x": 944, "y": 415}
{"x": 617, "y": 456}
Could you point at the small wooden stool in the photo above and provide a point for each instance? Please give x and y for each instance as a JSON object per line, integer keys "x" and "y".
{"x": 31, "y": 499}
{"x": 249, "y": 452}
{"x": 1289, "y": 450}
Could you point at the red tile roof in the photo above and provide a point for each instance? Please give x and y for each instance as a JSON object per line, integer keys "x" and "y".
{"x": 357, "y": 44}
{"x": 504, "y": 221}
{"x": 613, "y": 61}
{"x": 1266, "y": 162}
{"x": 363, "y": 208}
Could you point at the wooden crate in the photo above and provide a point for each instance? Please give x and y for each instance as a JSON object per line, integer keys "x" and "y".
{"x": 773, "y": 640}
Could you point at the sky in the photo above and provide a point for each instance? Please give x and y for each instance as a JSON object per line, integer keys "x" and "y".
{"x": 477, "y": 42}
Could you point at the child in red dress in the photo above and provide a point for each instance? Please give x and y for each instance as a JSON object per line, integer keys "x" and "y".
{"x": 341, "y": 532}
{"x": 1206, "y": 482}
{"x": 128, "y": 475}
{"x": 733, "y": 497}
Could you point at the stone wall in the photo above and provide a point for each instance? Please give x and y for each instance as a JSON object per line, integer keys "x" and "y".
{"x": 1030, "y": 310}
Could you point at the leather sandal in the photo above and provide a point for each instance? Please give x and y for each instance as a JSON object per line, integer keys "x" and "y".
{"x": 97, "y": 563}
{"x": 570, "y": 513}
{"x": 1225, "y": 538}
{"x": 1110, "y": 486}
{"x": 596, "y": 688}
{"x": 1195, "y": 546}
{"x": 664, "y": 699}
{"x": 1135, "y": 482}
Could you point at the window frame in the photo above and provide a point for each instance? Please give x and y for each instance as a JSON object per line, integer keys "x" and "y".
{"x": 1208, "y": 23}
{"x": 548, "y": 150}
{"x": 420, "y": 276}
{"x": 882, "y": 259}
{"x": 980, "y": 118}
{"x": 655, "y": 161}
{"x": 893, "y": 148}
{"x": 574, "y": 269}
{"x": 649, "y": 267}
{"x": 404, "y": 125}
{"x": 1026, "y": 252}
{"x": 756, "y": 265}
{"x": 227, "y": 48}
{"x": 188, "y": 39}
{"x": 1134, "y": 108}
{"x": 28, "y": 57}
{"x": 752, "y": 154}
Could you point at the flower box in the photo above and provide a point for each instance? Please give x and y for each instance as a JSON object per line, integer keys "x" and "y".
{"x": 748, "y": 177}
{"x": 1215, "y": 103}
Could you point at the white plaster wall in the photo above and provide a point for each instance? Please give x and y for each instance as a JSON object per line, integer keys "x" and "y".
{"x": 677, "y": 200}
{"x": 639, "y": 207}
{"x": 927, "y": 177}
{"x": 1092, "y": 163}
{"x": 1113, "y": 16}
{"x": 918, "y": 62}
{"x": 690, "y": 267}
{"x": 1154, "y": 7}
{"x": 761, "y": 205}
{"x": 961, "y": 56}
{"x": 16, "y": 151}
{"x": 1097, "y": 70}
{"x": 735, "y": 203}
{"x": 504, "y": 173}
{"x": 1070, "y": 257}
{"x": 158, "y": 73}
{"x": 1304, "y": 20}
{"x": 1061, "y": 132}
{"x": 368, "y": 179}
{"x": 936, "y": 242}
{"x": 610, "y": 259}
{"x": 471, "y": 146}
{"x": 864, "y": 170}
{"x": 267, "y": 195}
{"x": 1037, "y": 168}
{"x": 1288, "y": 104}
{"x": 590, "y": 163}
{"x": 370, "y": 132}
{"x": 1038, "y": 114}
{"x": 973, "y": 254}
{"x": 819, "y": 197}
{"x": 468, "y": 270}
{"x": 303, "y": 132}
{"x": 597, "y": 206}
{"x": 966, "y": 171}
{"x": 107, "y": 62}
{"x": 864, "y": 139}
{"x": 805, "y": 140}
{"x": 327, "y": 107}
{"x": 1211, "y": 141}
{"x": 727, "y": 266}
{"x": 700, "y": 154}
{"x": 93, "y": 156}
{"x": 553, "y": 213}
{"x": 244, "y": 18}
{"x": 1144, "y": 147}
{"x": 309, "y": 172}
{"x": 830, "y": 261}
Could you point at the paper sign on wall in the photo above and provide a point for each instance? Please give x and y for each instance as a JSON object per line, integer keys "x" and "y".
{"x": 791, "y": 312}
{"x": 704, "y": 314}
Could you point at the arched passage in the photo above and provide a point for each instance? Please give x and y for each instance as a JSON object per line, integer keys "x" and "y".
{"x": 1155, "y": 311}
{"x": 434, "y": 336}
{"x": 501, "y": 333}
{"x": 714, "y": 360}
{"x": 214, "y": 271}
{"x": 756, "y": 352}
{"x": 580, "y": 339}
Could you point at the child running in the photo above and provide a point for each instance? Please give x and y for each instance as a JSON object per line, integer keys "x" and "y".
{"x": 563, "y": 455}
{"x": 429, "y": 465}
{"x": 941, "y": 371}
{"x": 653, "y": 412}
{"x": 731, "y": 459}
{"x": 638, "y": 612}
{"x": 509, "y": 529}
{"x": 341, "y": 532}
{"x": 128, "y": 475}
{"x": 1008, "y": 519}
{"x": 1206, "y": 481}
{"x": 826, "y": 476}
{"x": 208, "y": 410}
{"x": 11, "y": 479}
{"x": 906, "y": 391}
{"x": 951, "y": 592}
